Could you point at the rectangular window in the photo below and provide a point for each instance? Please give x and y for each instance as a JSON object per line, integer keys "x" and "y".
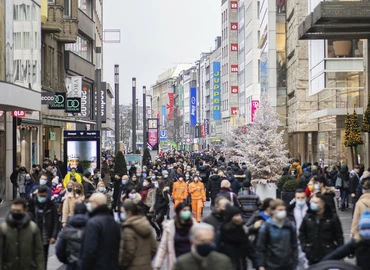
{"x": 51, "y": 1}
{"x": 83, "y": 48}
{"x": 85, "y": 6}
{"x": 67, "y": 8}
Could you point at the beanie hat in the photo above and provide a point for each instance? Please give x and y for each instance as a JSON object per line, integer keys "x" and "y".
{"x": 364, "y": 222}
{"x": 80, "y": 208}
{"x": 247, "y": 184}
{"x": 164, "y": 172}
{"x": 225, "y": 184}
{"x": 55, "y": 180}
{"x": 230, "y": 212}
{"x": 180, "y": 176}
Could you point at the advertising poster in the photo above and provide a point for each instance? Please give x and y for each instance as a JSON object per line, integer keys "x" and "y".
{"x": 133, "y": 160}
{"x": 216, "y": 91}
{"x": 152, "y": 137}
{"x": 193, "y": 106}
{"x": 254, "y": 108}
{"x": 82, "y": 155}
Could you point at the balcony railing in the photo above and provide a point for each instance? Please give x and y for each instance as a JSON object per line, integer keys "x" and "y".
{"x": 54, "y": 22}
{"x": 69, "y": 32}
{"x": 341, "y": 99}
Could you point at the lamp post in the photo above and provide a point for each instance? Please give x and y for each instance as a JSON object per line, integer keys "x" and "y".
{"x": 116, "y": 107}
{"x": 133, "y": 123}
{"x": 144, "y": 118}
{"x": 98, "y": 86}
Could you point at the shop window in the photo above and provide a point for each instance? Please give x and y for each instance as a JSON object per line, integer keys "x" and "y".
{"x": 83, "y": 48}
{"x": 344, "y": 48}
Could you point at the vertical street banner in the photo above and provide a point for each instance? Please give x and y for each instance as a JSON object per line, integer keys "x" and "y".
{"x": 206, "y": 127}
{"x": 103, "y": 96}
{"x": 216, "y": 91}
{"x": 254, "y": 107}
{"x": 193, "y": 106}
{"x": 74, "y": 86}
{"x": 152, "y": 137}
{"x": 171, "y": 103}
{"x": 180, "y": 99}
{"x": 187, "y": 128}
{"x": 85, "y": 102}
{"x": 164, "y": 112}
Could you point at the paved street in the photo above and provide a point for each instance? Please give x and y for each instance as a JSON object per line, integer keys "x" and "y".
{"x": 54, "y": 264}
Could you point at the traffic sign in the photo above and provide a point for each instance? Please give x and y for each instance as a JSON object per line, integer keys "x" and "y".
{"x": 163, "y": 135}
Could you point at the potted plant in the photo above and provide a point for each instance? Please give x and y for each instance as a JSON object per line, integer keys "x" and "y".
{"x": 289, "y": 189}
{"x": 342, "y": 47}
{"x": 280, "y": 183}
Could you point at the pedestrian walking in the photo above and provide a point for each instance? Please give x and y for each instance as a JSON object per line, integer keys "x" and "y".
{"x": 21, "y": 247}
{"x": 321, "y": 231}
{"x": 203, "y": 255}
{"x": 100, "y": 246}
{"x": 148, "y": 194}
{"x": 45, "y": 214}
{"x": 162, "y": 201}
{"x": 102, "y": 189}
{"x": 362, "y": 204}
{"x": 226, "y": 192}
{"x": 68, "y": 247}
{"x": 249, "y": 200}
{"x": 138, "y": 245}
{"x": 14, "y": 180}
{"x": 216, "y": 218}
{"x": 198, "y": 197}
{"x": 277, "y": 241}
{"x": 343, "y": 184}
{"x": 74, "y": 197}
{"x": 179, "y": 191}
{"x": 213, "y": 186}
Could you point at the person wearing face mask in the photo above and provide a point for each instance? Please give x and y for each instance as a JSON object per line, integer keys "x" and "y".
{"x": 198, "y": 197}
{"x": 30, "y": 183}
{"x": 68, "y": 177}
{"x": 175, "y": 239}
{"x": 162, "y": 201}
{"x": 296, "y": 213}
{"x": 117, "y": 182}
{"x": 216, "y": 218}
{"x": 136, "y": 182}
{"x": 56, "y": 188}
{"x": 21, "y": 246}
{"x": 148, "y": 194}
{"x": 362, "y": 204}
{"x": 101, "y": 241}
{"x": 179, "y": 191}
{"x": 328, "y": 193}
{"x": 132, "y": 195}
{"x": 203, "y": 255}
{"x": 277, "y": 241}
{"x": 21, "y": 182}
{"x": 233, "y": 239}
{"x": 138, "y": 245}
{"x": 188, "y": 178}
{"x": 74, "y": 197}
{"x": 321, "y": 231}
{"x": 102, "y": 189}
{"x": 44, "y": 213}
{"x": 126, "y": 186}
{"x": 359, "y": 245}
{"x": 42, "y": 183}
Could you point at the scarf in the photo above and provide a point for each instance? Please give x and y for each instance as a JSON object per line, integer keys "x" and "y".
{"x": 144, "y": 191}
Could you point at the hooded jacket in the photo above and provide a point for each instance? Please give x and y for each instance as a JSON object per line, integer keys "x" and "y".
{"x": 162, "y": 200}
{"x": 213, "y": 186}
{"x": 235, "y": 185}
{"x": 20, "y": 245}
{"x": 89, "y": 186}
{"x": 305, "y": 179}
{"x": 138, "y": 245}
{"x": 362, "y": 204}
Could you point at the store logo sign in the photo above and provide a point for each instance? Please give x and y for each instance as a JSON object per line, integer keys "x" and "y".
{"x": 73, "y": 105}
{"x": 234, "y": 26}
{"x": 47, "y": 98}
{"x": 234, "y": 68}
{"x": 59, "y": 102}
{"x": 234, "y": 111}
{"x": 234, "y": 47}
{"x": 234, "y": 89}
{"x": 234, "y": 4}
{"x": 19, "y": 114}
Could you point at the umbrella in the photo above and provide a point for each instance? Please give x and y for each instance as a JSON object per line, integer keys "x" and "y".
{"x": 333, "y": 265}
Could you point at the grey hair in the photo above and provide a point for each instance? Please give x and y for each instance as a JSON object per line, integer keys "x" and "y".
{"x": 200, "y": 227}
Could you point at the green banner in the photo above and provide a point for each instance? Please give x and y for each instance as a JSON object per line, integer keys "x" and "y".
{"x": 180, "y": 100}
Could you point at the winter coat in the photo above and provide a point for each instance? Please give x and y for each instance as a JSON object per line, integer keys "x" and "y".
{"x": 101, "y": 240}
{"x": 21, "y": 180}
{"x": 250, "y": 202}
{"x": 50, "y": 216}
{"x": 319, "y": 238}
{"x": 277, "y": 247}
{"x": 240, "y": 178}
{"x": 21, "y": 247}
{"x": 298, "y": 168}
{"x": 247, "y": 173}
{"x": 213, "y": 186}
{"x": 162, "y": 201}
{"x": 180, "y": 191}
{"x": 300, "y": 214}
{"x": 215, "y": 219}
{"x": 89, "y": 186}
{"x": 36, "y": 187}
{"x": 69, "y": 205}
{"x": 231, "y": 196}
{"x": 305, "y": 179}
{"x": 354, "y": 181}
{"x": 166, "y": 247}
{"x": 138, "y": 245}
{"x": 28, "y": 189}
{"x": 204, "y": 172}
{"x": 69, "y": 244}
{"x": 215, "y": 261}
{"x": 333, "y": 177}
{"x": 150, "y": 199}
{"x": 362, "y": 204}
{"x": 329, "y": 198}
{"x": 360, "y": 248}
{"x": 344, "y": 175}
{"x": 235, "y": 185}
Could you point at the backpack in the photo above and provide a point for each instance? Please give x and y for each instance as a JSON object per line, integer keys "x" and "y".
{"x": 73, "y": 237}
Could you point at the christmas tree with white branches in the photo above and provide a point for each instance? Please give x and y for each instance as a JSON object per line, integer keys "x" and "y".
{"x": 260, "y": 144}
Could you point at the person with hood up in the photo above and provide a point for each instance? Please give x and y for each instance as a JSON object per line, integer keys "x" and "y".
{"x": 68, "y": 247}
{"x": 176, "y": 237}
{"x": 216, "y": 218}
{"x": 359, "y": 245}
{"x": 249, "y": 200}
{"x": 213, "y": 186}
{"x": 342, "y": 183}
{"x": 198, "y": 197}
{"x": 328, "y": 193}
{"x": 240, "y": 176}
{"x": 20, "y": 240}
{"x": 226, "y": 192}
{"x": 321, "y": 231}
{"x": 305, "y": 178}
{"x": 138, "y": 245}
{"x": 30, "y": 183}
{"x": 148, "y": 194}
{"x": 179, "y": 191}
{"x": 233, "y": 239}
{"x": 362, "y": 204}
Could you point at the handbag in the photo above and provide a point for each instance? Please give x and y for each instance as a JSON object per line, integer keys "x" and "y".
{"x": 338, "y": 183}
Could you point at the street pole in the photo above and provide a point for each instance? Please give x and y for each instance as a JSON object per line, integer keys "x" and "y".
{"x": 144, "y": 118}
{"x": 133, "y": 125}
{"x": 98, "y": 91}
{"x": 116, "y": 107}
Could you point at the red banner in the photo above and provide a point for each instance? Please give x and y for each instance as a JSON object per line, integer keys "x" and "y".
{"x": 234, "y": 4}
{"x": 234, "y": 110}
{"x": 234, "y": 26}
{"x": 170, "y": 106}
{"x": 234, "y": 47}
{"x": 234, "y": 89}
{"x": 203, "y": 131}
{"x": 234, "y": 68}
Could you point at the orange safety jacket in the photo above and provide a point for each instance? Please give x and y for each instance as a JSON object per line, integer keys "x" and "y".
{"x": 197, "y": 192}
{"x": 180, "y": 190}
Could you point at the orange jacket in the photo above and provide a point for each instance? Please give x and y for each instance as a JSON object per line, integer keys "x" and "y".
{"x": 197, "y": 192}
{"x": 180, "y": 190}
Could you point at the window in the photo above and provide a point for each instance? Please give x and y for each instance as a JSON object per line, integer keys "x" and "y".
{"x": 344, "y": 48}
{"x": 26, "y": 40}
{"x": 85, "y": 6}
{"x": 83, "y": 48}
{"x": 67, "y": 8}
{"x": 51, "y": 1}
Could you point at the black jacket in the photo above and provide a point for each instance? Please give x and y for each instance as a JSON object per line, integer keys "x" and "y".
{"x": 234, "y": 200}
{"x": 235, "y": 185}
{"x": 213, "y": 186}
{"x": 354, "y": 181}
{"x": 320, "y": 238}
{"x": 361, "y": 249}
{"x": 215, "y": 219}
{"x": 50, "y": 217}
{"x": 162, "y": 201}
{"x": 66, "y": 245}
{"x": 204, "y": 172}
{"x": 88, "y": 185}
{"x": 100, "y": 247}
{"x": 305, "y": 178}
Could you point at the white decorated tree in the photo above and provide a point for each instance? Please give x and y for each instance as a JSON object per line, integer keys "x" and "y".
{"x": 260, "y": 144}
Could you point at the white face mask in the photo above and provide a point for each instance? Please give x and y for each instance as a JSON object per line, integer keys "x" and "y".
{"x": 281, "y": 215}
{"x": 132, "y": 196}
{"x": 316, "y": 186}
{"x": 196, "y": 179}
{"x": 145, "y": 184}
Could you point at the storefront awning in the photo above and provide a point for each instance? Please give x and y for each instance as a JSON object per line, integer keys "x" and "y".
{"x": 337, "y": 20}
{"x": 332, "y": 112}
{"x": 47, "y": 119}
{"x": 15, "y": 97}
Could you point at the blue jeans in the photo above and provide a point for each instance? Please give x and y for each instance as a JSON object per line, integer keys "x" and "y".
{"x": 344, "y": 198}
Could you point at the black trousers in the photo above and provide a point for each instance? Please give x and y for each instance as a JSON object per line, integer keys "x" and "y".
{"x": 149, "y": 216}
{"x": 46, "y": 254}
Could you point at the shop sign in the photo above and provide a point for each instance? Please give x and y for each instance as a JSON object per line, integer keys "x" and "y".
{"x": 234, "y": 4}
{"x": 234, "y": 89}
{"x": 19, "y": 114}
{"x": 73, "y": 105}
{"x": 234, "y": 111}
{"x": 234, "y": 68}
{"x": 234, "y": 26}
{"x": 59, "y": 102}
{"x": 53, "y": 136}
{"x": 47, "y": 98}
{"x": 216, "y": 91}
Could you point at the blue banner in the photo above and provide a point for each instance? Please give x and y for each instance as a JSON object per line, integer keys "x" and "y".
{"x": 164, "y": 116}
{"x": 216, "y": 91}
{"x": 193, "y": 106}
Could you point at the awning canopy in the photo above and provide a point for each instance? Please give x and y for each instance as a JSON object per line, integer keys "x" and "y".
{"x": 337, "y": 20}
{"x": 15, "y": 97}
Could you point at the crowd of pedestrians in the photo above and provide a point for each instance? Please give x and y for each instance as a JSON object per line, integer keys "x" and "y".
{"x": 125, "y": 222}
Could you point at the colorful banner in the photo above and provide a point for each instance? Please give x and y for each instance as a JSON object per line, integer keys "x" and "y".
{"x": 203, "y": 131}
{"x": 170, "y": 105}
{"x": 180, "y": 99}
{"x": 206, "y": 126}
{"x": 193, "y": 106}
{"x": 152, "y": 137}
{"x": 254, "y": 108}
{"x": 164, "y": 116}
{"x": 216, "y": 91}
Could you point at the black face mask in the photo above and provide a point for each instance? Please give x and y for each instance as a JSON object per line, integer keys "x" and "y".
{"x": 78, "y": 191}
{"x": 18, "y": 216}
{"x": 205, "y": 249}
{"x": 69, "y": 189}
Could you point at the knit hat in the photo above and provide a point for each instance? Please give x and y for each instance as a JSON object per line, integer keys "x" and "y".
{"x": 164, "y": 172}
{"x": 364, "y": 222}
{"x": 225, "y": 184}
{"x": 247, "y": 184}
{"x": 180, "y": 176}
{"x": 230, "y": 212}
{"x": 80, "y": 208}
{"x": 55, "y": 180}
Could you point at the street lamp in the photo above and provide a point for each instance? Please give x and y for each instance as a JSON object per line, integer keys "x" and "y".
{"x": 116, "y": 107}
{"x": 98, "y": 82}
{"x": 144, "y": 118}
{"x": 133, "y": 123}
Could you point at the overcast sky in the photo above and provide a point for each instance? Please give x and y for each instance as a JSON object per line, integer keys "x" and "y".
{"x": 155, "y": 35}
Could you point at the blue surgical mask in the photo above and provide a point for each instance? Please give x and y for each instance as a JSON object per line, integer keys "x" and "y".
{"x": 102, "y": 189}
{"x": 41, "y": 199}
{"x": 42, "y": 182}
{"x": 314, "y": 206}
{"x": 99, "y": 175}
{"x": 138, "y": 174}
{"x": 123, "y": 182}
{"x": 185, "y": 215}
{"x": 365, "y": 234}
{"x": 300, "y": 203}
{"x": 145, "y": 175}
{"x": 28, "y": 178}
{"x": 122, "y": 217}
{"x": 156, "y": 185}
